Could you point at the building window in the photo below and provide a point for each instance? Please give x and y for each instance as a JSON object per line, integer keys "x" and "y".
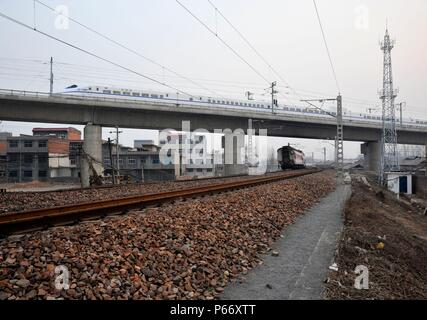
{"x": 120, "y": 161}
{"x": 156, "y": 160}
{"x": 42, "y": 174}
{"x": 42, "y": 144}
{"x": 42, "y": 159}
{"x": 13, "y": 174}
{"x": 131, "y": 161}
{"x": 13, "y": 158}
{"x": 107, "y": 161}
{"x": 28, "y": 159}
{"x": 28, "y": 173}
{"x": 72, "y": 161}
{"x": 13, "y": 144}
{"x": 28, "y": 144}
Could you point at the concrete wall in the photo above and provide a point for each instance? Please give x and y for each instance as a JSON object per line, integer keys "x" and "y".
{"x": 372, "y": 152}
{"x": 421, "y": 186}
{"x": 92, "y": 148}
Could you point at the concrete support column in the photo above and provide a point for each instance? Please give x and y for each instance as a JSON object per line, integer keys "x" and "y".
{"x": 233, "y": 144}
{"x": 372, "y": 152}
{"x": 91, "y": 153}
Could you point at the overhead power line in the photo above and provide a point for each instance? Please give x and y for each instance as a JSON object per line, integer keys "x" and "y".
{"x": 223, "y": 42}
{"x": 129, "y": 49}
{"x": 327, "y": 48}
{"x": 89, "y": 53}
{"x": 253, "y": 48}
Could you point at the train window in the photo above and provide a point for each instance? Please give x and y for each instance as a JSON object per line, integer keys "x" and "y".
{"x": 116, "y": 92}
{"x": 228, "y": 102}
{"x": 167, "y": 95}
{"x": 209, "y": 100}
{"x": 292, "y": 109}
{"x": 135, "y": 94}
{"x": 126, "y": 93}
{"x": 200, "y": 98}
{"x": 97, "y": 89}
{"x": 191, "y": 99}
{"x": 246, "y": 104}
{"x": 106, "y": 91}
{"x": 285, "y": 108}
{"x": 232, "y": 103}
{"x": 154, "y": 96}
{"x": 161, "y": 96}
{"x": 145, "y": 95}
{"x": 213, "y": 101}
{"x": 90, "y": 88}
{"x": 223, "y": 102}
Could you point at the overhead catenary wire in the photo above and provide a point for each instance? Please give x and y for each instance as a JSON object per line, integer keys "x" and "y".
{"x": 252, "y": 47}
{"x": 327, "y": 47}
{"x": 224, "y": 42}
{"x": 129, "y": 49}
{"x": 89, "y": 53}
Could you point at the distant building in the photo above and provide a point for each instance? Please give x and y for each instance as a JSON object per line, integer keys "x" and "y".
{"x": 49, "y": 154}
{"x": 191, "y": 168}
{"x": 140, "y": 164}
{"x": 3, "y": 155}
{"x": 31, "y": 158}
{"x": 69, "y": 133}
{"x": 74, "y": 138}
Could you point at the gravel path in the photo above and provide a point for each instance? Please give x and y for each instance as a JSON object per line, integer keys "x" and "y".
{"x": 298, "y": 263}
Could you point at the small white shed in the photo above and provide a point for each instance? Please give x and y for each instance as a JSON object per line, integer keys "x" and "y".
{"x": 400, "y": 182}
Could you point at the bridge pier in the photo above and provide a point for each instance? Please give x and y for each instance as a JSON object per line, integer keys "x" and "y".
{"x": 91, "y": 153}
{"x": 372, "y": 152}
{"x": 233, "y": 143}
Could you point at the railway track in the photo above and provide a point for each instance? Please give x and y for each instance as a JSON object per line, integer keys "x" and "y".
{"x": 26, "y": 221}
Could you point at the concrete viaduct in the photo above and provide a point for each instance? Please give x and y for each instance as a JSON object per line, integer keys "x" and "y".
{"x": 95, "y": 113}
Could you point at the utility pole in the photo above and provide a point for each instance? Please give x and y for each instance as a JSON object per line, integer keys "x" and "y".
{"x": 273, "y": 96}
{"x": 339, "y": 145}
{"x": 389, "y": 156}
{"x": 340, "y": 140}
{"x": 111, "y": 161}
{"x": 51, "y": 76}
{"x": 117, "y": 152}
{"x": 401, "y": 105}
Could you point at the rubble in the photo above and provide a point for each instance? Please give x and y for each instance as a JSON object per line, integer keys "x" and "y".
{"x": 384, "y": 235}
{"x": 186, "y": 250}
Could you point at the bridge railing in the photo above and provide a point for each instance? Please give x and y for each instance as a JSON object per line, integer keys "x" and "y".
{"x": 37, "y": 94}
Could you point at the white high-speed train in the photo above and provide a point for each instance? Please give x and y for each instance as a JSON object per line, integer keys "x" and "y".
{"x": 183, "y": 99}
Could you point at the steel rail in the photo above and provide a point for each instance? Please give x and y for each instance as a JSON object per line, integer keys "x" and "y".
{"x": 11, "y": 223}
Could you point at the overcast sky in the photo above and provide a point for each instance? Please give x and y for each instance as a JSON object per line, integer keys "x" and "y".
{"x": 285, "y": 32}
